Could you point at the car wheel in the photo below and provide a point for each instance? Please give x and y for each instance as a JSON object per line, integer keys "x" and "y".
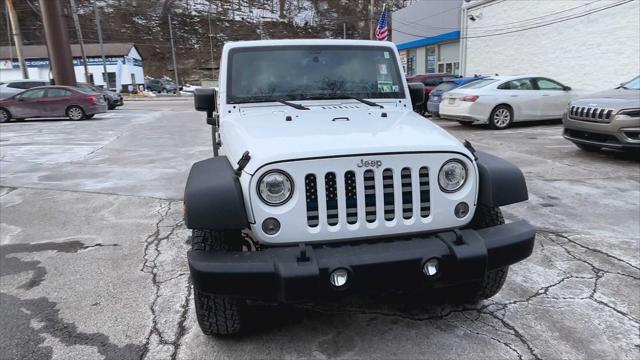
{"x": 493, "y": 280}
{"x": 466, "y": 123}
{"x": 5, "y": 116}
{"x": 501, "y": 117}
{"x": 164, "y": 91}
{"x": 110, "y": 105}
{"x": 75, "y": 113}
{"x": 589, "y": 148}
{"x": 217, "y": 315}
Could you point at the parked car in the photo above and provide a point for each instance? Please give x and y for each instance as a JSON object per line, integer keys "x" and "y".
{"x": 433, "y": 102}
{"x": 113, "y": 98}
{"x": 609, "y": 119}
{"x": 430, "y": 81}
{"x": 52, "y": 101}
{"x": 12, "y": 87}
{"x": 161, "y": 86}
{"x": 328, "y": 190}
{"x": 502, "y": 100}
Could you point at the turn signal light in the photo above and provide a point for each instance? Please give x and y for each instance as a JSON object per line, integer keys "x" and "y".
{"x": 470, "y": 98}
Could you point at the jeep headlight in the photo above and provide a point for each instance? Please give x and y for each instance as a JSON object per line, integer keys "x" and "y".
{"x": 452, "y": 175}
{"x": 275, "y": 187}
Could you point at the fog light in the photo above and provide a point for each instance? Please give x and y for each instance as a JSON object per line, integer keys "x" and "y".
{"x": 338, "y": 278}
{"x": 461, "y": 210}
{"x": 430, "y": 268}
{"x": 271, "y": 226}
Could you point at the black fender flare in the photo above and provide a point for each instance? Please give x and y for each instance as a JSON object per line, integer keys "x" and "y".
{"x": 213, "y": 197}
{"x": 500, "y": 182}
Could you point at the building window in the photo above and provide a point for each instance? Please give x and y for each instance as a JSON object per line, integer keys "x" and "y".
{"x": 430, "y": 64}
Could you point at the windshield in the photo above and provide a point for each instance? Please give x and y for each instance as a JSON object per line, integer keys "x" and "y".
{"x": 633, "y": 84}
{"x": 445, "y": 86}
{"x": 478, "y": 84}
{"x": 312, "y": 72}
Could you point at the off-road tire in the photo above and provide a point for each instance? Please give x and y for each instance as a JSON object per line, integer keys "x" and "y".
{"x": 217, "y": 315}
{"x": 490, "y": 285}
{"x": 588, "y": 148}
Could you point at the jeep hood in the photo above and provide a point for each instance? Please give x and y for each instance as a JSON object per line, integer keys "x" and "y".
{"x": 270, "y": 137}
{"x": 615, "y": 99}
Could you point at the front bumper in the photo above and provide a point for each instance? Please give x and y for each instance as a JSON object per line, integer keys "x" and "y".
{"x": 620, "y": 133}
{"x": 301, "y": 273}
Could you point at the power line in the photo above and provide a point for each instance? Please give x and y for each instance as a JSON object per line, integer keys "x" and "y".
{"x": 500, "y": 27}
{"x": 589, "y": 12}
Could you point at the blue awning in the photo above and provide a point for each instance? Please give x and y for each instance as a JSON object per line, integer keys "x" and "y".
{"x": 454, "y": 35}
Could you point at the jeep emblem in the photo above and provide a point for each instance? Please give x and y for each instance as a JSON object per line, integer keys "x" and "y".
{"x": 370, "y": 163}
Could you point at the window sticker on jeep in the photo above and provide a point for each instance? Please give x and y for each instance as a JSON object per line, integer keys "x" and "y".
{"x": 385, "y": 86}
{"x": 386, "y": 54}
{"x": 382, "y": 69}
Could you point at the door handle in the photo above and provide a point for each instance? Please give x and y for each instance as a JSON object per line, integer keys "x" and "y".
{"x": 513, "y": 95}
{"x": 545, "y": 95}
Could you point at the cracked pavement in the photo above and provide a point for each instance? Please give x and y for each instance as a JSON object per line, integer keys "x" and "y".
{"x": 93, "y": 265}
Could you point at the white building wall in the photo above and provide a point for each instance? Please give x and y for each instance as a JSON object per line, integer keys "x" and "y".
{"x": 594, "y": 52}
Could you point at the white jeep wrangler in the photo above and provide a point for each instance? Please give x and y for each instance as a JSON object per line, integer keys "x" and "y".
{"x": 330, "y": 183}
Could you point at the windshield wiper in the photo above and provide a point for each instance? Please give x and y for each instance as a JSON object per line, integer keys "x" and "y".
{"x": 340, "y": 96}
{"x": 293, "y": 105}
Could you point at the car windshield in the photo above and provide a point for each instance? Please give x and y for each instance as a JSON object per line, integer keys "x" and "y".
{"x": 633, "y": 84}
{"x": 312, "y": 72}
{"x": 478, "y": 84}
{"x": 445, "y": 86}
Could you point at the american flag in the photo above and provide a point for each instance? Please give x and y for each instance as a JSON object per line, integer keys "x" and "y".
{"x": 382, "y": 31}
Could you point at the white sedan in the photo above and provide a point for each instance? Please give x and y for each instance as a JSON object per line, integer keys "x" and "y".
{"x": 502, "y": 100}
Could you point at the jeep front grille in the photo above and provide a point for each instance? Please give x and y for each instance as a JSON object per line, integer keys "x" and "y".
{"x": 388, "y": 193}
{"x": 590, "y": 113}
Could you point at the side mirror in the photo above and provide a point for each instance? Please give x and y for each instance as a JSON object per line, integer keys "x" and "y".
{"x": 416, "y": 91}
{"x": 566, "y": 88}
{"x": 205, "y": 100}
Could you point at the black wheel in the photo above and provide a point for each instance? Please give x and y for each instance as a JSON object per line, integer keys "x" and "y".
{"x": 217, "y": 315}
{"x": 75, "y": 113}
{"x": 501, "y": 117}
{"x": 90, "y": 116}
{"x": 465, "y": 123}
{"x": 5, "y": 115}
{"x": 110, "y": 105}
{"x": 493, "y": 280}
{"x": 589, "y": 148}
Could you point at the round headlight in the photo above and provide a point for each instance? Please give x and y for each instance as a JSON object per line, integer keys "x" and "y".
{"x": 452, "y": 176}
{"x": 275, "y": 187}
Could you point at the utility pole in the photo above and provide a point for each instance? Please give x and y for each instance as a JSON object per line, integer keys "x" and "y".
{"x": 344, "y": 30}
{"x": 9, "y": 36}
{"x": 371, "y": 33}
{"x": 213, "y": 61}
{"x": 17, "y": 38}
{"x": 173, "y": 54}
{"x": 105, "y": 75}
{"x": 55, "y": 30}
{"x": 74, "y": 13}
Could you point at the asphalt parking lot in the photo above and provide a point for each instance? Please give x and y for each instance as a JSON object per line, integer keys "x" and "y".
{"x": 93, "y": 254}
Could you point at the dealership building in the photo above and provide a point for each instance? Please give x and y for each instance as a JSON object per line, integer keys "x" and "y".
{"x": 427, "y": 35}
{"x": 121, "y": 58}
{"x": 587, "y": 45}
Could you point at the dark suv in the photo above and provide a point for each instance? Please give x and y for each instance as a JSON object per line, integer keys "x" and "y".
{"x": 430, "y": 82}
{"x": 162, "y": 86}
